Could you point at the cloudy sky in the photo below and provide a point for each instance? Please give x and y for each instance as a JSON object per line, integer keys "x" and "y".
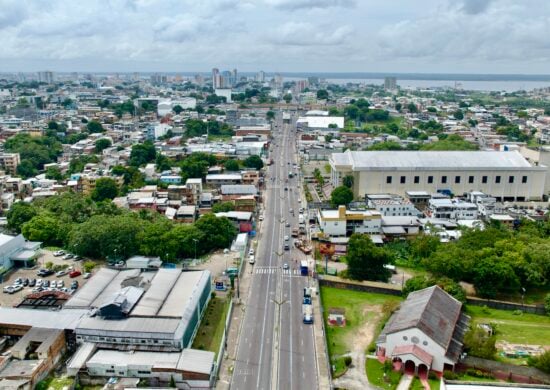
{"x": 441, "y": 36}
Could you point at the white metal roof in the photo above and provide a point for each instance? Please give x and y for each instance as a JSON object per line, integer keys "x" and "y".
{"x": 64, "y": 319}
{"x": 375, "y": 160}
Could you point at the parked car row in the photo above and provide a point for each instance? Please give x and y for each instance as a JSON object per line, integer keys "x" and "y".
{"x": 67, "y": 256}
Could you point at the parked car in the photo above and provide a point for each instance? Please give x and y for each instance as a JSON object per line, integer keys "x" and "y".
{"x": 87, "y": 275}
{"x": 39, "y": 282}
{"x": 18, "y": 281}
{"x": 68, "y": 256}
{"x": 44, "y": 272}
{"x": 77, "y": 258}
{"x": 46, "y": 283}
{"x": 74, "y": 285}
{"x": 119, "y": 264}
{"x": 25, "y": 282}
{"x": 32, "y": 282}
{"x": 74, "y": 274}
{"x": 287, "y": 238}
{"x": 251, "y": 251}
{"x": 59, "y": 253}
{"x": 251, "y": 259}
{"x": 17, "y": 287}
{"x": 60, "y": 283}
{"x": 8, "y": 289}
{"x": 61, "y": 273}
{"x": 37, "y": 290}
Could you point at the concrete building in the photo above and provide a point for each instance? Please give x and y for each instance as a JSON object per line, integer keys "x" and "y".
{"x": 224, "y": 92}
{"x": 391, "y": 205}
{"x": 9, "y": 162}
{"x": 426, "y": 333}
{"x": 452, "y": 209}
{"x": 320, "y": 122}
{"x": 507, "y": 176}
{"x": 16, "y": 251}
{"x": 342, "y": 222}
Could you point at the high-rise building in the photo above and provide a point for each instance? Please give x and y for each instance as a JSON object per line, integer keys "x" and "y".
{"x": 46, "y": 77}
{"x": 390, "y": 83}
{"x": 216, "y": 78}
{"x": 260, "y": 76}
{"x": 199, "y": 80}
{"x": 235, "y": 76}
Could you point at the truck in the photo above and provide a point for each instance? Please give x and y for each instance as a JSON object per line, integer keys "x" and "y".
{"x": 301, "y": 219}
{"x": 303, "y": 268}
{"x": 301, "y": 245}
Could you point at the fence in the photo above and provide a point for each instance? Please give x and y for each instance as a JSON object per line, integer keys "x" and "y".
{"x": 505, "y": 371}
{"x": 503, "y": 305}
{"x": 221, "y": 349}
{"x": 373, "y": 287}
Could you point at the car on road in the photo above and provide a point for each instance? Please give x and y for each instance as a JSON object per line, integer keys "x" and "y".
{"x": 74, "y": 274}
{"x": 59, "y": 253}
{"x": 61, "y": 273}
{"x": 251, "y": 259}
{"x": 286, "y": 247}
{"x": 87, "y": 275}
{"x": 287, "y": 224}
{"x": 251, "y": 251}
{"x": 287, "y": 238}
{"x": 285, "y": 266}
{"x": 261, "y": 218}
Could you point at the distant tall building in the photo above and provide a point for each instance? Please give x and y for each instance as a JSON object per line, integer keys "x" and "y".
{"x": 199, "y": 80}
{"x": 390, "y": 83}
{"x": 135, "y": 76}
{"x": 278, "y": 80}
{"x": 216, "y": 78}
{"x": 46, "y": 77}
{"x": 313, "y": 80}
{"x": 235, "y": 75}
{"x": 260, "y": 76}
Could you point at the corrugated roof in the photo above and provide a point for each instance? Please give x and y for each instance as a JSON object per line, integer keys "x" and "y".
{"x": 436, "y": 160}
{"x": 195, "y": 360}
{"x": 239, "y": 189}
{"x": 154, "y": 298}
{"x": 165, "y": 328}
{"x": 432, "y": 311}
{"x": 184, "y": 295}
{"x": 64, "y": 319}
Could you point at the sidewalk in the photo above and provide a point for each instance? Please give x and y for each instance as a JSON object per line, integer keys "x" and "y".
{"x": 320, "y": 341}
{"x": 405, "y": 382}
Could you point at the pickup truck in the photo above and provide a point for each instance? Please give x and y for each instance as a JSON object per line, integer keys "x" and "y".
{"x": 307, "y": 311}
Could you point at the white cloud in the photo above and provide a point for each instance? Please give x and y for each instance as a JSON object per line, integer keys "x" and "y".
{"x": 310, "y": 4}
{"x": 307, "y": 34}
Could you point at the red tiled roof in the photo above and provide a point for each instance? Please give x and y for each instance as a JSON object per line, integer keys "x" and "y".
{"x": 414, "y": 350}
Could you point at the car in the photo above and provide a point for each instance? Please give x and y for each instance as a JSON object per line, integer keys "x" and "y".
{"x": 44, "y": 272}
{"x": 37, "y": 290}
{"x": 251, "y": 259}
{"x": 77, "y": 258}
{"x": 74, "y": 285}
{"x": 18, "y": 281}
{"x": 287, "y": 224}
{"x": 39, "y": 282}
{"x": 87, "y": 275}
{"x": 287, "y": 238}
{"x": 17, "y": 287}
{"x": 285, "y": 266}
{"x": 25, "y": 282}
{"x": 291, "y": 210}
{"x": 261, "y": 218}
{"x": 60, "y": 283}
{"x": 251, "y": 251}
{"x": 286, "y": 188}
{"x": 32, "y": 282}
{"x": 68, "y": 256}
{"x": 59, "y": 253}
{"x": 46, "y": 283}
{"x": 286, "y": 247}
{"x": 119, "y": 264}
{"x": 301, "y": 210}
{"x": 7, "y": 289}
{"x": 61, "y": 273}
{"x": 74, "y": 274}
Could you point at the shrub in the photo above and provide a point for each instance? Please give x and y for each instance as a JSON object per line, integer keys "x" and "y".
{"x": 517, "y": 312}
{"x": 88, "y": 266}
{"x": 372, "y": 347}
{"x": 347, "y": 361}
{"x": 432, "y": 375}
{"x": 449, "y": 375}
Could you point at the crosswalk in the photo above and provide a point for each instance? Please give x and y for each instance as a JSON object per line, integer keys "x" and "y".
{"x": 274, "y": 270}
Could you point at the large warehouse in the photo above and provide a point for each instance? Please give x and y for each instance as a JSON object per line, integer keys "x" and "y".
{"x": 507, "y": 176}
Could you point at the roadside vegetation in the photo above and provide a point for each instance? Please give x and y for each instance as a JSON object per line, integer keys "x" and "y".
{"x": 210, "y": 332}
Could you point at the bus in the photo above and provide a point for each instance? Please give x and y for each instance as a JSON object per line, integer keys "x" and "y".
{"x": 303, "y": 268}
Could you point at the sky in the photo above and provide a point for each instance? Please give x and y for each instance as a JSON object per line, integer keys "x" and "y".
{"x": 408, "y": 36}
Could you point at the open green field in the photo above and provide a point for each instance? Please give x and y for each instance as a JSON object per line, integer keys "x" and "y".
{"x": 375, "y": 373}
{"x": 417, "y": 385}
{"x": 210, "y": 332}
{"x": 362, "y": 309}
{"x": 54, "y": 383}
{"x": 520, "y": 329}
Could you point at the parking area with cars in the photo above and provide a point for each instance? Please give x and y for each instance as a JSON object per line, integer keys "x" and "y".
{"x": 22, "y": 282}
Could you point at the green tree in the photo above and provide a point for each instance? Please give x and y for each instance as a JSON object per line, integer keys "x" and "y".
{"x": 231, "y": 165}
{"x": 478, "y": 343}
{"x": 53, "y": 125}
{"x": 53, "y": 173}
{"x": 322, "y": 94}
{"x": 18, "y": 214}
{"x": 547, "y": 304}
{"x": 222, "y": 207}
{"x": 105, "y": 188}
{"x": 218, "y": 232}
{"x": 94, "y": 127}
{"x": 365, "y": 260}
{"x": 412, "y": 108}
{"x": 458, "y": 114}
{"x": 348, "y": 181}
{"x": 42, "y": 228}
{"x": 270, "y": 115}
{"x": 398, "y": 106}
{"x": 142, "y": 154}
{"x": 102, "y": 144}
{"x": 492, "y": 275}
{"x": 177, "y": 109}
{"x": 254, "y": 161}
{"x": 287, "y": 98}
{"x": 341, "y": 195}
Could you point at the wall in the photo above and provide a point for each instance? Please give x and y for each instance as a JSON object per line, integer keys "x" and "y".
{"x": 502, "y": 305}
{"x": 506, "y": 371}
{"x": 374, "y": 287}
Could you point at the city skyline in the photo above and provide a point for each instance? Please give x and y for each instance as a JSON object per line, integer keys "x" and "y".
{"x": 487, "y": 36}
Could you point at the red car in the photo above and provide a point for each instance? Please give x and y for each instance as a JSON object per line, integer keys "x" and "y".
{"x": 74, "y": 274}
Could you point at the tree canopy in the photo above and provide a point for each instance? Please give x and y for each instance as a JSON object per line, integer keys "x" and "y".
{"x": 105, "y": 188}
{"x": 341, "y": 195}
{"x": 254, "y": 161}
{"x": 365, "y": 260}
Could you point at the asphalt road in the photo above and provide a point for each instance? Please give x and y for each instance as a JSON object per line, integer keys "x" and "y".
{"x": 276, "y": 350}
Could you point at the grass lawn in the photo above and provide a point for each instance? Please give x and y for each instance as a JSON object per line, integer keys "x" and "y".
{"x": 356, "y": 304}
{"x": 417, "y": 385}
{"x": 375, "y": 373}
{"x": 522, "y": 329}
{"x": 210, "y": 333}
{"x": 54, "y": 383}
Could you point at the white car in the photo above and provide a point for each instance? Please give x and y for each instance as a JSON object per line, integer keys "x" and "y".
{"x": 251, "y": 259}
{"x": 251, "y": 251}
{"x": 287, "y": 238}
{"x": 58, "y": 253}
{"x": 285, "y": 266}
{"x": 60, "y": 283}
{"x": 61, "y": 273}
{"x": 39, "y": 282}
{"x": 17, "y": 287}
{"x": 261, "y": 218}
{"x": 87, "y": 275}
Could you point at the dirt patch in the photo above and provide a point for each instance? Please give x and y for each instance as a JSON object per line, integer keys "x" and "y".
{"x": 356, "y": 377}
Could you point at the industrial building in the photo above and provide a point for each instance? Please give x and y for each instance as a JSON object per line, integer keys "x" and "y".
{"x": 507, "y": 176}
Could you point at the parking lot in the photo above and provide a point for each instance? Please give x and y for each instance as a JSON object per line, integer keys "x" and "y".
{"x": 47, "y": 256}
